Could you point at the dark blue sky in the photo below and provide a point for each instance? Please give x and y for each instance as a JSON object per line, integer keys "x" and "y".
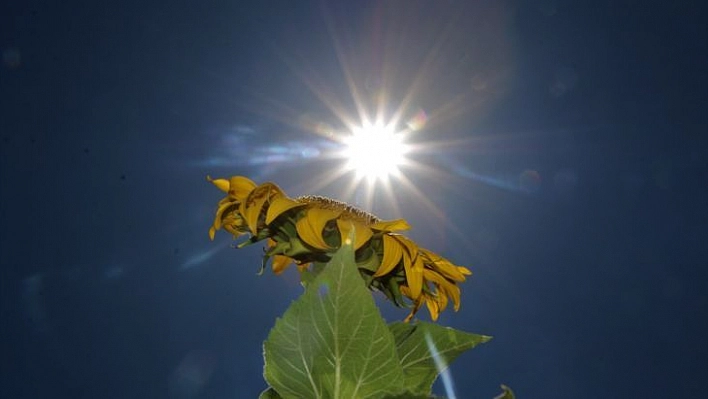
{"x": 565, "y": 150}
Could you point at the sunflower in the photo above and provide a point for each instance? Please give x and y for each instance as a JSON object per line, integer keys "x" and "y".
{"x": 307, "y": 231}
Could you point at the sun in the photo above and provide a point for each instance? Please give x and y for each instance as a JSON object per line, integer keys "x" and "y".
{"x": 375, "y": 151}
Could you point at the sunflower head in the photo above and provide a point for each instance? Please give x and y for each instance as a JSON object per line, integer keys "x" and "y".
{"x": 308, "y": 230}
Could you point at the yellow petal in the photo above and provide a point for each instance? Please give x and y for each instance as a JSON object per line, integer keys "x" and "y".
{"x": 416, "y": 303}
{"x": 362, "y": 234}
{"x": 221, "y": 184}
{"x": 251, "y": 212}
{"x": 454, "y": 294}
{"x": 280, "y": 263}
{"x": 432, "y": 308}
{"x": 309, "y": 228}
{"x": 279, "y": 206}
{"x": 212, "y": 232}
{"x": 392, "y": 252}
{"x": 443, "y": 266}
{"x": 408, "y": 244}
{"x": 448, "y": 270}
{"x": 435, "y": 277}
{"x": 415, "y": 277}
{"x": 442, "y": 301}
{"x": 445, "y": 286}
{"x": 240, "y": 187}
{"x": 252, "y": 207}
{"x": 219, "y": 213}
{"x": 391, "y": 225}
{"x": 413, "y": 265}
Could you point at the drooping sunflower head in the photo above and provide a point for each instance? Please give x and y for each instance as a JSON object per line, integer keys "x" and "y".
{"x": 308, "y": 230}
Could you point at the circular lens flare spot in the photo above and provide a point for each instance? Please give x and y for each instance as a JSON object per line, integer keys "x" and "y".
{"x": 375, "y": 151}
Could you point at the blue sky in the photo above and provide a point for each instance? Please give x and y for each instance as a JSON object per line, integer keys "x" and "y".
{"x": 562, "y": 158}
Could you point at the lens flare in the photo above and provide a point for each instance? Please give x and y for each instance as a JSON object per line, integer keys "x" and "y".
{"x": 417, "y": 121}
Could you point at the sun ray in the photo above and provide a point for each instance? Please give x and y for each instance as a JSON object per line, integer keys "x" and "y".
{"x": 437, "y": 213}
{"x": 341, "y": 57}
{"x": 322, "y": 180}
{"x": 391, "y": 199}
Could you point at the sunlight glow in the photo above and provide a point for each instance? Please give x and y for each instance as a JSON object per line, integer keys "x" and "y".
{"x": 375, "y": 151}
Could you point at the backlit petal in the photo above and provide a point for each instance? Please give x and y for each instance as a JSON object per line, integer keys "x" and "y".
{"x": 221, "y": 184}
{"x": 219, "y": 214}
{"x": 408, "y": 244}
{"x": 391, "y": 225}
{"x": 280, "y": 263}
{"x": 240, "y": 187}
{"x": 415, "y": 277}
{"x": 310, "y": 227}
{"x": 442, "y": 301}
{"x": 253, "y": 206}
{"x": 279, "y": 206}
{"x": 445, "y": 286}
{"x": 392, "y": 253}
{"x": 433, "y": 307}
{"x": 362, "y": 234}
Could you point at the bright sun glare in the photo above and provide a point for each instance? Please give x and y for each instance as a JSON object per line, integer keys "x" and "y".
{"x": 375, "y": 151}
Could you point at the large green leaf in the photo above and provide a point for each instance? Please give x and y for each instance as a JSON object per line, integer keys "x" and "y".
{"x": 427, "y": 349}
{"x": 332, "y": 342}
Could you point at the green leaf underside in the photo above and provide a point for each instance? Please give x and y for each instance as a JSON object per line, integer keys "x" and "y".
{"x": 269, "y": 394}
{"x": 507, "y": 393}
{"x": 419, "y": 355}
{"x": 332, "y": 342}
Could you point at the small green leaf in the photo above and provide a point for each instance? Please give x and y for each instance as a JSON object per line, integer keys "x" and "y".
{"x": 427, "y": 349}
{"x": 269, "y": 394}
{"x": 332, "y": 342}
{"x": 408, "y": 395}
{"x": 507, "y": 393}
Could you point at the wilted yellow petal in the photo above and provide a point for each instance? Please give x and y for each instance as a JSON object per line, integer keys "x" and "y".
{"x": 391, "y": 225}
{"x": 392, "y": 252}
{"x": 219, "y": 214}
{"x": 414, "y": 277}
{"x": 408, "y": 244}
{"x": 280, "y": 263}
{"x": 432, "y": 308}
{"x": 445, "y": 286}
{"x": 309, "y": 228}
{"x": 454, "y": 294}
{"x": 240, "y": 187}
{"x": 251, "y": 212}
{"x": 435, "y": 277}
{"x": 442, "y": 265}
{"x": 448, "y": 270}
{"x": 416, "y": 303}
{"x": 464, "y": 270}
{"x": 221, "y": 184}
{"x": 362, "y": 234}
{"x": 212, "y": 232}
{"x": 442, "y": 301}
{"x": 252, "y": 207}
{"x": 279, "y": 206}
